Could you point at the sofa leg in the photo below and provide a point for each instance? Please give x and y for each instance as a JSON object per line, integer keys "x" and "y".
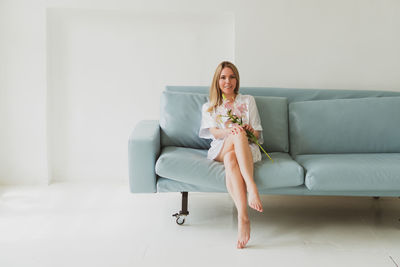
{"x": 377, "y": 197}
{"x": 180, "y": 217}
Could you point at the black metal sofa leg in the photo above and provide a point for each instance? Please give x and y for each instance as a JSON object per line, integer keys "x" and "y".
{"x": 180, "y": 217}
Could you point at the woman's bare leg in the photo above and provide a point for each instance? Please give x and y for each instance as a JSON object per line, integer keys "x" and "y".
{"x": 237, "y": 189}
{"x": 238, "y": 143}
{"x": 245, "y": 160}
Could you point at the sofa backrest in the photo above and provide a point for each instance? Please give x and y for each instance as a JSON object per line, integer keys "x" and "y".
{"x": 180, "y": 118}
{"x": 292, "y": 94}
{"x": 365, "y": 125}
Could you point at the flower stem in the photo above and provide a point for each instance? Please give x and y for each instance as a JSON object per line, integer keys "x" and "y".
{"x": 254, "y": 139}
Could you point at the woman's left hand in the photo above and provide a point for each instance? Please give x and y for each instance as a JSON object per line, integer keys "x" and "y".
{"x": 249, "y": 128}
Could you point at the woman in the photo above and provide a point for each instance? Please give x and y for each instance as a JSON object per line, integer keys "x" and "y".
{"x": 230, "y": 144}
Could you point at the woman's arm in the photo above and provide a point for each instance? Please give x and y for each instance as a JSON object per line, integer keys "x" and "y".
{"x": 219, "y": 133}
{"x": 254, "y": 119}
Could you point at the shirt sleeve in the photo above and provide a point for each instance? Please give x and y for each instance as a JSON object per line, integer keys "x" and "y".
{"x": 254, "y": 118}
{"x": 207, "y": 122}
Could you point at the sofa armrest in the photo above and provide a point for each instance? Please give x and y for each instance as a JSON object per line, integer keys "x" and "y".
{"x": 143, "y": 151}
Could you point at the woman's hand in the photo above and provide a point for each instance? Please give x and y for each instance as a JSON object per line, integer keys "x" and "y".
{"x": 235, "y": 129}
{"x": 249, "y": 128}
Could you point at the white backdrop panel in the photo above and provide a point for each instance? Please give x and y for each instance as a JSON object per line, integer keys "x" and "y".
{"x": 106, "y": 71}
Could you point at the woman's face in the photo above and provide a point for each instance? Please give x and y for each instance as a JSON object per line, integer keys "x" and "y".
{"x": 227, "y": 82}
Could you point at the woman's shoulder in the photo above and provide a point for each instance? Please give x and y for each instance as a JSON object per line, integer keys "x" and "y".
{"x": 206, "y": 106}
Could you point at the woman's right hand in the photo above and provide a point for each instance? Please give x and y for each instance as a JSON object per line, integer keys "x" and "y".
{"x": 219, "y": 133}
{"x": 235, "y": 130}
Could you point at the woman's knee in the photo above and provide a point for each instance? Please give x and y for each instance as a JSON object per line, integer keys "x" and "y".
{"x": 241, "y": 137}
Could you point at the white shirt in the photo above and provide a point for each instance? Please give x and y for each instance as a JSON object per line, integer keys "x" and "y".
{"x": 213, "y": 119}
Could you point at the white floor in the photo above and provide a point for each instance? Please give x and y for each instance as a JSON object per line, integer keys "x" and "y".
{"x": 105, "y": 225}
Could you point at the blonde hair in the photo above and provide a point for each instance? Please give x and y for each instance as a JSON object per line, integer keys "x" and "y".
{"x": 215, "y": 90}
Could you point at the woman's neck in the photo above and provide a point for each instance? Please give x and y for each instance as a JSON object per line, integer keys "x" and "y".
{"x": 231, "y": 97}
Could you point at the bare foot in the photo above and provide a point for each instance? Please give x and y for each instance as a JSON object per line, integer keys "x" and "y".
{"x": 243, "y": 232}
{"x": 255, "y": 201}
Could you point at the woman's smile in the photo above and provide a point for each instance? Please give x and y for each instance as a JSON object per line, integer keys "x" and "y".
{"x": 227, "y": 82}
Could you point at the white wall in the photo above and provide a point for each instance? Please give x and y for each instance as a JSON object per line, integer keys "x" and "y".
{"x": 337, "y": 44}
{"x": 107, "y": 62}
{"x": 23, "y": 157}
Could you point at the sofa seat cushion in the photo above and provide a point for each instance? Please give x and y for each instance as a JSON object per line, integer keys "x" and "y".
{"x": 191, "y": 166}
{"x": 352, "y": 172}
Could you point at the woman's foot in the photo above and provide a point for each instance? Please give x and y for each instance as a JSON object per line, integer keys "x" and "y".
{"x": 255, "y": 201}
{"x": 243, "y": 232}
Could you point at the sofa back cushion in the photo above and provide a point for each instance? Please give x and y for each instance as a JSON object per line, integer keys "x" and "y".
{"x": 273, "y": 113}
{"x": 367, "y": 125}
{"x": 180, "y": 118}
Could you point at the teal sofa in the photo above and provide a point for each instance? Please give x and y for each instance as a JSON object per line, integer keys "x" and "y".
{"x": 323, "y": 142}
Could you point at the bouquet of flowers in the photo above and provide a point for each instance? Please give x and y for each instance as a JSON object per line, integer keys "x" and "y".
{"x": 234, "y": 115}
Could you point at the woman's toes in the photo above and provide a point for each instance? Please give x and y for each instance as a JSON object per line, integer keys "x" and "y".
{"x": 255, "y": 202}
{"x": 243, "y": 232}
